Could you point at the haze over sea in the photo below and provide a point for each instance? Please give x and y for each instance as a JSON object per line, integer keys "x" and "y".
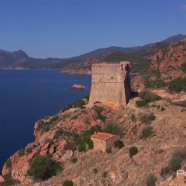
{"x": 29, "y": 95}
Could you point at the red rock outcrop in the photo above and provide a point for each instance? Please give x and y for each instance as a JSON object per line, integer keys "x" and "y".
{"x": 171, "y": 62}
{"x": 79, "y": 87}
{"x": 50, "y": 139}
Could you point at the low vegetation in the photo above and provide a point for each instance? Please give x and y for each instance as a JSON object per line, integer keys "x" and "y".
{"x": 45, "y": 126}
{"x": 151, "y": 180}
{"x": 133, "y": 151}
{"x": 9, "y": 163}
{"x": 84, "y": 141}
{"x": 105, "y": 174}
{"x": 146, "y": 132}
{"x": 114, "y": 129}
{"x": 175, "y": 163}
{"x": 119, "y": 144}
{"x": 149, "y": 96}
{"x": 42, "y": 167}
{"x": 9, "y": 181}
{"x": 68, "y": 183}
{"x": 99, "y": 114}
{"x": 147, "y": 118}
{"x": 146, "y": 97}
{"x": 177, "y": 85}
{"x": 95, "y": 170}
{"x": 78, "y": 104}
{"x": 21, "y": 152}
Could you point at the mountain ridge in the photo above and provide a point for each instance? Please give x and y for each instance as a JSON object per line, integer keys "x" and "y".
{"x": 19, "y": 59}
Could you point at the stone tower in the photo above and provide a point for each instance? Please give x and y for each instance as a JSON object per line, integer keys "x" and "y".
{"x": 110, "y": 82}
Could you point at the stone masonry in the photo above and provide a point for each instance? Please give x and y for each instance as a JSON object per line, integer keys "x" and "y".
{"x": 110, "y": 82}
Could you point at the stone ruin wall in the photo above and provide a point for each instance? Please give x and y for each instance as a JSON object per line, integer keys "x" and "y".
{"x": 110, "y": 82}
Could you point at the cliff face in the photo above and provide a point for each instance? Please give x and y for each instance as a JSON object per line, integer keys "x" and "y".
{"x": 171, "y": 63}
{"x": 54, "y": 136}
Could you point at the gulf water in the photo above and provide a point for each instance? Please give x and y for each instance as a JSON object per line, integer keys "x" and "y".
{"x": 29, "y": 95}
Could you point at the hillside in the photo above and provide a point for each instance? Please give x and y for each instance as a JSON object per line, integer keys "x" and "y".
{"x": 155, "y": 132}
{"x": 138, "y": 55}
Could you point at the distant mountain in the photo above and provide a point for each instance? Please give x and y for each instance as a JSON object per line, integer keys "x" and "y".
{"x": 138, "y": 55}
{"x": 19, "y": 59}
{"x": 101, "y": 51}
{"x": 140, "y": 59}
{"x": 174, "y": 39}
{"x": 9, "y": 58}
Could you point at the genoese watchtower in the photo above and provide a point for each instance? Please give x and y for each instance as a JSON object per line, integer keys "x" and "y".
{"x": 110, "y": 82}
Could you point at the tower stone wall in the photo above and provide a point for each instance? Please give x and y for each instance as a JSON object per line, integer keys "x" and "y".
{"x": 110, "y": 82}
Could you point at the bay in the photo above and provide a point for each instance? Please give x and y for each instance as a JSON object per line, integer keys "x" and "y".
{"x": 29, "y": 95}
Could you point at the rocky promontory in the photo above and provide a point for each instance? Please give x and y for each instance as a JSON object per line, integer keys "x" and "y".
{"x": 154, "y": 130}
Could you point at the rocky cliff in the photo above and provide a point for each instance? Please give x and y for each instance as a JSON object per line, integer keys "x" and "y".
{"x": 170, "y": 63}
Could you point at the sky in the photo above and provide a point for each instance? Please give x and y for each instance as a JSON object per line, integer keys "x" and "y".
{"x": 67, "y": 28}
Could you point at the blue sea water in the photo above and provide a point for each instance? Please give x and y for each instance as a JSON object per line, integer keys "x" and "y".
{"x": 29, "y": 95}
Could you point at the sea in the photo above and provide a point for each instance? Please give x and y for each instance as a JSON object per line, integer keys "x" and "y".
{"x": 29, "y": 95}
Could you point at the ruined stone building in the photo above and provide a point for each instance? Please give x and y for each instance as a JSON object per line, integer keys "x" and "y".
{"x": 110, "y": 82}
{"x": 103, "y": 141}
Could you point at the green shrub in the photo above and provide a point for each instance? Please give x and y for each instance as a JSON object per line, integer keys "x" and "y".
{"x": 42, "y": 167}
{"x": 74, "y": 160}
{"x": 177, "y": 85}
{"x": 81, "y": 147}
{"x": 21, "y": 152}
{"x": 119, "y": 144}
{"x": 78, "y": 104}
{"x": 149, "y": 96}
{"x": 54, "y": 118}
{"x": 68, "y": 183}
{"x": 28, "y": 151}
{"x": 9, "y": 163}
{"x": 9, "y": 181}
{"x": 58, "y": 133}
{"x": 105, "y": 174}
{"x": 147, "y": 118}
{"x": 141, "y": 103}
{"x": 173, "y": 166}
{"x": 114, "y": 129}
{"x": 151, "y": 180}
{"x": 95, "y": 170}
{"x": 165, "y": 171}
{"x": 99, "y": 115}
{"x": 133, "y": 151}
{"x": 147, "y": 132}
{"x": 83, "y": 142}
